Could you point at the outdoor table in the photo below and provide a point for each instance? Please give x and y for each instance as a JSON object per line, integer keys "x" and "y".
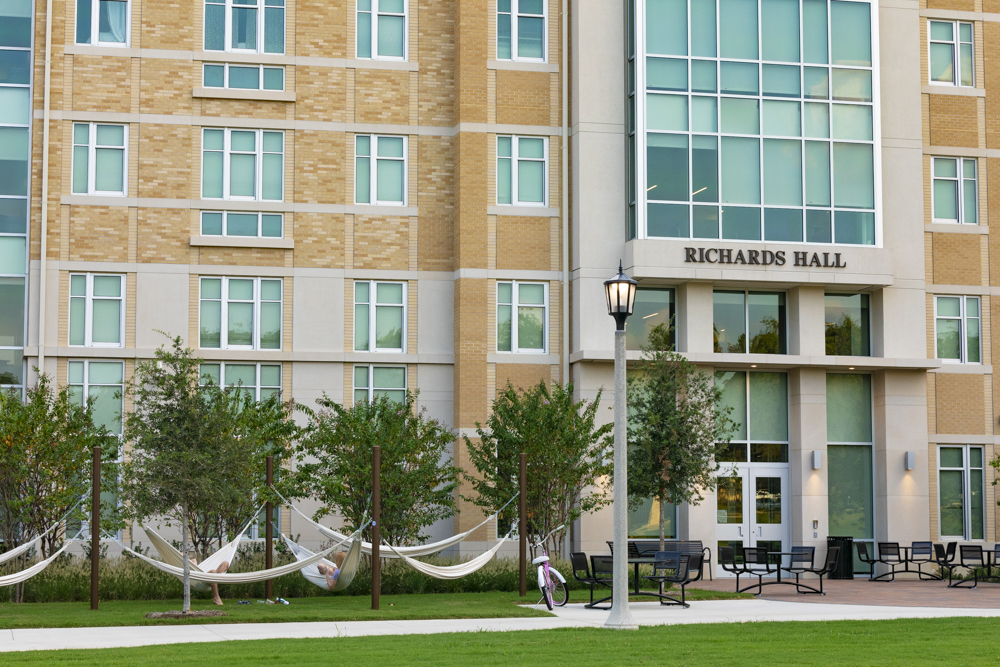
{"x": 778, "y": 580}
{"x": 647, "y": 560}
{"x": 908, "y": 558}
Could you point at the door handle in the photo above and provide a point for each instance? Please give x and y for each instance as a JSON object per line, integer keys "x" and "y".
{"x": 741, "y": 530}
{"x": 760, "y": 531}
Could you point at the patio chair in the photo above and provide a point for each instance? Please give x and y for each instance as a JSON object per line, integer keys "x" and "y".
{"x": 756, "y": 563}
{"x": 801, "y": 559}
{"x": 727, "y": 561}
{"x": 866, "y": 559}
{"x": 942, "y": 561}
{"x": 830, "y": 565}
{"x": 891, "y": 555}
{"x": 582, "y": 573}
{"x": 972, "y": 559}
{"x": 670, "y": 567}
{"x": 996, "y": 561}
{"x": 922, "y": 553}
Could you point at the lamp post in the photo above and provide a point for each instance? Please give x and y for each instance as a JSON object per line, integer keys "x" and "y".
{"x": 620, "y": 292}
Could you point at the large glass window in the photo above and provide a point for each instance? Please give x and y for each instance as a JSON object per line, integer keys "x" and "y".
{"x": 955, "y": 193}
{"x": 242, "y": 164}
{"x": 382, "y": 29}
{"x": 257, "y": 26}
{"x": 759, "y": 403}
{"x": 373, "y": 382}
{"x": 750, "y": 136}
{"x": 103, "y": 381}
{"x": 957, "y": 327}
{"x": 379, "y": 316}
{"x": 102, "y": 22}
{"x": 522, "y": 317}
{"x": 644, "y": 521}
{"x": 848, "y": 328}
{"x": 241, "y": 223}
{"x": 96, "y": 310}
{"x": 749, "y": 322}
{"x": 99, "y": 158}
{"x": 653, "y": 306}
{"x": 960, "y": 492}
{"x": 522, "y": 170}
{"x": 950, "y": 53}
{"x": 521, "y": 30}
{"x": 258, "y": 381}
{"x": 241, "y": 313}
{"x": 380, "y": 178}
{"x": 243, "y": 77}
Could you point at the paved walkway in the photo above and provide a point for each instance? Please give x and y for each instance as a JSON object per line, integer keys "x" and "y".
{"x": 572, "y": 616}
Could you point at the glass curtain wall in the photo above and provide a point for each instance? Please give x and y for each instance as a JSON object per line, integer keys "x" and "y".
{"x": 848, "y": 326}
{"x": 652, "y": 307}
{"x": 15, "y": 142}
{"x": 756, "y": 120}
{"x": 849, "y": 459}
{"x": 759, "y": 403}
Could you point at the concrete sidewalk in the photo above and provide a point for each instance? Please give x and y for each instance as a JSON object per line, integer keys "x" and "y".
{"x": 571, "y": 616}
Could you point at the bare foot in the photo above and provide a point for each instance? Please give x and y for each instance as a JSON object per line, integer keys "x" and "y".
{"x": 217, "y": 601}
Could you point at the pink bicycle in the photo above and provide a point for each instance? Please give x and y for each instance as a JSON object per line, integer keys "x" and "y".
{"x": 550, "y": 582}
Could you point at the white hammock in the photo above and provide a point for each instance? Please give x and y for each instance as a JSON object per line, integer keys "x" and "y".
{"x": 24, "y": 575}
{"x": 453, "y": 571}
{"x": 14, "y": 553}
{"x": 348, "y": 568}
{"x": 242, "y": 577}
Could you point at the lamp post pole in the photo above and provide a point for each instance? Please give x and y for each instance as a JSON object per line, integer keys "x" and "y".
{"x": 620, "y": 292}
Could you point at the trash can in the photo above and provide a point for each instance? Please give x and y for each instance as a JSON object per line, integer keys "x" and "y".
{"x": 845, "y": 564}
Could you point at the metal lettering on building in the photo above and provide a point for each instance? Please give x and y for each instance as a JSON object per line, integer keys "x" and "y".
{"x": 803, "y": 258}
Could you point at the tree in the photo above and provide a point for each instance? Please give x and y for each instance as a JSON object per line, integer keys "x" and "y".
{"x": 416, "y": 476}
{"x": 182, "y": 444}
{"x": 566, "y": 452}
{"x": 677, "y": 425}
{"x": 46, "y": 444}
{"x": 844, "y": 337}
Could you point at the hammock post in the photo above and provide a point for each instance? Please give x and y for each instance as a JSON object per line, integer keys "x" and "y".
{"x": 376, "y": 518}
{"x": 269, "y": 531}
{"x": 522, "y": 526}
{"x": 95, "y": 530}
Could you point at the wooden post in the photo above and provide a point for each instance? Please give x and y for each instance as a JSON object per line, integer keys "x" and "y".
{"x": 269, "y": 531}
{"x": 376, "y": 518}
{"x": 522, "y": 527}
{"x": 95, "y": 531}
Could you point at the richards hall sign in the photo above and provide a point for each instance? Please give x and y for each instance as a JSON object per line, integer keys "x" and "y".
{"x": 830, "y": 260}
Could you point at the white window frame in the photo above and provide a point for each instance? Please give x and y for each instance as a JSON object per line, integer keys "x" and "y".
{"x": 86, "y": 384}
{"x": 515, "y": 161}
{"x": 967, "y": 471}
{"x": 373, "y": 305}
{"x": 961, "y": 180}
{"x": 260, "y": 224}
{"x": 95, "y": 29}
{"x": 963, "y": 333}
{"x": 227, "y": 154}
{"x": 373, "y": 159}
{"x": 88, "y": 320}
{"x": 92, "y": 159}
{"x": 225, "y": 76}
{"x": 515, "y": 304}
{"x": 227, "y": 39}
{"x": 374, "y": 12}
{"x": 956, "y": 47}
{"x": 224, "y": 319}
{"x": 256, "y": 387}
{"x": 371, "y": 389}
{"x": 515, "y": 11}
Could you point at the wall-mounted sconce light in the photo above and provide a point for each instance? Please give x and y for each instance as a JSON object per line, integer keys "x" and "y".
{"x": 815, "y": 524}
{"x": 911, "y": 460}
{"x": 817, "y": 460}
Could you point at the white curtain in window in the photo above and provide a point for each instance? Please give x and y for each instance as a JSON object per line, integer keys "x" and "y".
{"x": 114, "y": 21}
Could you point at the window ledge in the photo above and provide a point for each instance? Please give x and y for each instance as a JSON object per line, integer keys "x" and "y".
{"x": 242, "y": 242}
{"x": 961, "y": 91}
{"x": 241, "y": 94}
{"x": 955, "y": 228}
{"x": 522, "y": 358}
{"x": 524, "y": 211}
{"x": 522, "y": 66}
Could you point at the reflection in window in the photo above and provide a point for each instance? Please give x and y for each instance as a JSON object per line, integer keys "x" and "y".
{"x": 652, "y": 307}
{"x": 374, "y": 382}
{"x": 847, "y": 325}
{"x": 759, "y": 408}
{"x": 960, "y": 490}
{"x": 644, "y": 521}
{"x": 751, "y": 322}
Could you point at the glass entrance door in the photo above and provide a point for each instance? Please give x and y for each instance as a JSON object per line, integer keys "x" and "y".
{"x": 752, "y": 508}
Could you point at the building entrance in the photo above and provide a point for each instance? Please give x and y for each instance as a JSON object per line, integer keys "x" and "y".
{"x": 752, "y": 507}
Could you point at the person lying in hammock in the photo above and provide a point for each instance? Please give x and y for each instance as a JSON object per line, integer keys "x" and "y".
{"x": 332, "y": 573}
{"x": 223, "y": 566}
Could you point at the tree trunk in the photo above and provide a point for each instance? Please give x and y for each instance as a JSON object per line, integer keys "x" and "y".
{"x": 663, "y": 520}
{"x": 187, "y": 564}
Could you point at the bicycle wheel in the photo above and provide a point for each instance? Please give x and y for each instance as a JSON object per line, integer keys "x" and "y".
{"x": 546, "y": 594}
{"x": 558, "y": 593}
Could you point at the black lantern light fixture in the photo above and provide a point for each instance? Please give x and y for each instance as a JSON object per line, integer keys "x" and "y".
{"x": 620, "y": 292}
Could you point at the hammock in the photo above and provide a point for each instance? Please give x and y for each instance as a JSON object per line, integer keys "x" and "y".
{"x": 14, "y": 553}
{"x": 453, "y": 571}
{"x": 399, "y": 552}
{"x": 24, "y": 575}
{"x": 242, "y": 577}
{"x": 348, "y": 568}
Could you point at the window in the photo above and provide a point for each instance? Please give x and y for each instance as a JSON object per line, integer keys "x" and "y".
{"x": 243, "y": 164}
{"x": 955, "y": 195}
{"x": 380, "y": 179}
{"x": 521, "y": 30}
{"x": 759, "y": 404}
{"x": 232, "y": 223}
{"x": 951, "y": 53}
{"x": 644, "y": 521}
{"x": 522, "y": 169}
{"x": 653, "y": 306}
{"x": 250, "y": 309}
{"x": 259, "y": 381}
{"x": 761, "y": 314}
{"x": 957, "y": 328}
{"x": 756, "y": 121}
{"x": 382, "y": 29}
{"x": 103, "y": 382}
{"x": 848, "y": 327}
{"x": 379, "y": 317}
{"x": 103, "y": 22}
{"x": 247, "y": 77}
{"x": 257, "y": 26}
{"x": 373, "y": 382}
{"x": 528, "y": 304}
{"x": 960, "y": 491}
{"x": 99, "y": 159}
{"x": 96, "y": 310}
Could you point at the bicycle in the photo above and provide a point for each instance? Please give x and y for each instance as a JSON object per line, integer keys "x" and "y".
{"x": 550, "y": 582}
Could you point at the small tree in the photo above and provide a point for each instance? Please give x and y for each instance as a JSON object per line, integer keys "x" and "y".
{"x": 566, "y": 454}
{"x": 416, "y": 476}
{"x": 677, "y": 425}
{"x": 46, "y": 444}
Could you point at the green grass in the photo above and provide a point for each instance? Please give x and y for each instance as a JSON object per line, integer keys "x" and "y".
{"x": 953, "y": 641}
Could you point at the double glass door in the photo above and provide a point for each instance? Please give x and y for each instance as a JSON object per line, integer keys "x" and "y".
{"x": 752, "y": 507}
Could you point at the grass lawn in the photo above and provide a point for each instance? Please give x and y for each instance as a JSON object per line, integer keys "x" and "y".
{"x": 340, "y": 608}
{"x": 959, "y": 641}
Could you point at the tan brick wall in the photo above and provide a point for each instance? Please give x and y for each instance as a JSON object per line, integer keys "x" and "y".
{"x": 166, "y": 85}
{"x": 163, "y": 236}
{"x": 320, "y": 94}
{"x": 319, "y": 167}
{"x": 522, "y": 376}
{"x": 319, "y": 240}
{"x": 960, "y": 400}
{"x": 98, "y": 82}
{"x": 436, "y": 183}
{"x": 382, "y": 96}
{"x": 990, "y": 50}
{"x": 523, "y": 97}
{"x": 241, "y": 256}
{"x": 325, "y": 34}
{"x": 471, "y": 25}
{"x": 244, "y": 109}
{"x": 523, "y": 243}
{"x": 436, "y": 53}
{"x": 957, "y": 259}
{"x": 954, "y": 121}
{"x": 470, "y": 225}
{"x": 963, "y": 5}
{"x": 381, "y": 242}
{"x": 168, "y": 25}
{"x": 98, "y": 234}
{"x": 165, "y": 168}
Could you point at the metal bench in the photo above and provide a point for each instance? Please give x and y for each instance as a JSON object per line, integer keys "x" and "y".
{"x": 648, "y": 548}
